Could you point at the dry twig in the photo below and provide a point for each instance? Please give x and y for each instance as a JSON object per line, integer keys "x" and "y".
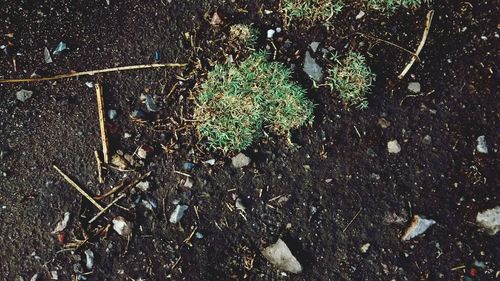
{"x": 420, "y": 46}
{"x": 99, "y": 166}
{"x": 93, "y": 72}
{"x": 79, "y": 189}
{"x": 102, "y": 122}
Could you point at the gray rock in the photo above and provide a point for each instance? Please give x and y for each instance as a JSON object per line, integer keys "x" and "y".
{"x": 24, "y": 95}
{"x": 427, "y": 140}
{"x": 393, "y": 147}
{"x": 414, "y": 87}
{"x": 418, "y": 226}
{"x": 150, "y": 103}
{"x": 489, "y": 220}
{"x": 122, "y": 226}
{"x": 240, "y": 160}
{"x": 314, "y": 46}
{"x": 46, "y": 55}
{"x": 481, "y": 145}
{"x": 280, "y": 256}
{"x": 178, "y": 213}
{"x": 312, "y": 69}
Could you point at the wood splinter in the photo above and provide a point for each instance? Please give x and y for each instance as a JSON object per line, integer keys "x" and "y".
{"x": 102, "y": 124}
{"x": 99, "y": 167}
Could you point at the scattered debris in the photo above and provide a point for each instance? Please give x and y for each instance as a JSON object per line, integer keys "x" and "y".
{"x": 60, "y": 48}
{"x": 393, "y": 147}
{"x": 102, "y": 123}
{"x": 122, "y": 227}
{"x": 144, "y": 151}
{"x": 23, "y": 95}
{"x": 239, "y": 204}
{"x": 489, "y": 220}
{"x": 54, "y": 275}
{"x": 89, "y": 262}
{"x": 383, "y": 123}
{"x": 360, "y": 15}
{"x": 137, "y": 114}
{"x": 34, "y": 277}
{"x": 312, "y": 69}
{"x": 314, "y": 46}
{"x": 216, "y": 19}
{"x": 62, "y": 224}
{"x": 481, "y": 145}
{"x": 279, "y": 255}
{"x": 365, "y": 248}
{"x": 89, "y": 84}
{"x": 150, "y": 103}
{"x": 188, "y": 183}
{"x": 199, "y": 235}
{"x": 112, "y": 114}
{"x": 46, "y": 55}
{"x": 427, "y": 140}
{"x": 188, "y": 166}
{"x": 119, "y": 162}
{"x": 178, "y": 213}
{"x": 414, "y": 87}
{"x": 418, "y": 226}
{"x": 143, "y": 186}
{"x": 270, "y": 33}
{"x": 240, "y": 161}
{"x": 210, "y": 162}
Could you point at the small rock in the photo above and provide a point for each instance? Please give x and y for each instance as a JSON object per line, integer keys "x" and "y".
{"x": 414, "y": 87}
{"x": 89, "y": 262}
{"x": 188, "y": 166}
{"x": 112, "y": 114}
{"x": 144, "y": 151}
{"x": 489, "y": 220}
{"x": 54, "y": 275}
{"x": 150, "y": 103}
{"x": 418, "y": 226}
{"x": 198, "y": 235}
{"x": 119, "y": 162}
{"x": 383, "y": 123}
{"x": 60, "y": 48}
{"x": 216, "y": 19}
{"x": 239, "y": 204}
{"x": 24, "y": 95}
{"x": 89, "y": 84}
{"x": 360, "y": 15}
{"x": 143, "y": 186}
{"x": 365, "y": 248}
{"x": 240, "y": 161}
{"x": 46, "y": 55}
{"x": 137, "y": 114}
{"x": 393, "y": 147}
{"x": 427, "y": 140}
{"x": 270, "y": 33}
{"x": 178, "y": 213}
{"x": 312, "y": 69}
{"x": 314, "y": 46}
{"x": 374, "y": 176}
{"x": 122, "y": 227}
{"x": 127, "y": 135}
{"x": 280, "y": 256}
{"x": 210, "y": 162}
{"x": 62, "y": 224}
{"x": 188, "y": 183}
{"x": 481, "y": 145}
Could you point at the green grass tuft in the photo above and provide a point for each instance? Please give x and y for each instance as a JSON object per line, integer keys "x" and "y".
{"x": 352, "y": 78}
{"x": 390, "y": 6}
{"x": 312, "y": 10}
{"x": 237, "y": 103}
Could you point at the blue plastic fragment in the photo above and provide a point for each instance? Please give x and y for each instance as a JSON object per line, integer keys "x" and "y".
{"x": 60, "y": 48}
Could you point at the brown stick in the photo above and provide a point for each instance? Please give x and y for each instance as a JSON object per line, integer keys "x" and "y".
{"x": 102, "y": 124}
{"x": 78, "y": 188}
{"x": 420, "y": 46}
{"x": 93, "y": 72}
{"x": 107, "y": 208}
{"x": 99, "y": 166}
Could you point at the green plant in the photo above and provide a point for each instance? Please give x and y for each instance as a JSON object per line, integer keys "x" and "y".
{"x": 389, "y": 6}
{"x": 243, "y": 35}
{"x": 312, "y": 10}
{"x": 237, "y": 104}
{"x": 352, "y": 78}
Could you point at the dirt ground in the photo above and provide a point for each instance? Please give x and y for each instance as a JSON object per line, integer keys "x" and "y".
{"x": 340, "y": 189}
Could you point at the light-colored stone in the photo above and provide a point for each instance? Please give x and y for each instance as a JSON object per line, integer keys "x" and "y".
{"x": 481, "y": 145}
{"x": 240, "y": 160}
{"x": 122, "y": 226}
{"x": 489, "y": 220}
{"x": 414, "y": 87}
{"x": 178, "y": 213}
{"x": 312, "y": 68}
{"x": 393, "y": 147}
{"x": 23, "y": 95}
{"x": 280, "y": 256}
{"x": 418, "y": 226}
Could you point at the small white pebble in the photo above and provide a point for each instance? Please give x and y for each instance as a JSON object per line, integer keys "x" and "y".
{"x": 270, "y": 33}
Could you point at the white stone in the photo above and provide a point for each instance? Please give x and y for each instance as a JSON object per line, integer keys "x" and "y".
{"x": 360, "y": 15}
{"x": 270, "y": 33}
{"x": 240, "y": 160}
{"x": 489, "y": 220}
{"x": 418, "y": 226}
{"x": 481, "y": 145}
{"x": 178, "y": 213}
{"x": 393, "y": 147}
{"x": 280, "y": 256}
{"x": 121, "y": 226}
{"x": 414, "y": 87}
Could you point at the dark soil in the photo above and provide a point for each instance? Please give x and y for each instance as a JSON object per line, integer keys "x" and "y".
{"x": 341, "y": 183}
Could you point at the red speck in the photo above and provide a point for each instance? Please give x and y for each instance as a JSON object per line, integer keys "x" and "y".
{"x": 61, "y": 237}
{"x": 473, "y": 272}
